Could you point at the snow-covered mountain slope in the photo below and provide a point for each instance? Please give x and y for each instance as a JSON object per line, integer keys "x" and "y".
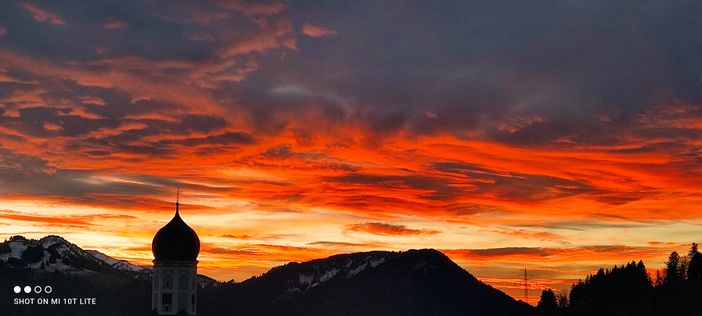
{"x": 122, "y": 265}
{"x": 54, "y": 253}
{"x": 315, "y": 272}
{"x": 413, "y": 282}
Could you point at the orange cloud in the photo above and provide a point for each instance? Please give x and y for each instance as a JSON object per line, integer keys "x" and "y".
{"x": 538, "y": 235}
{"x": 83, "y": 221}
{"x": 388, "y": 229}
{"x": 287, "y": 161}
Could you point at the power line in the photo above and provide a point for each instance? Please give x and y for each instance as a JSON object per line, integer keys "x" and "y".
{"x": 526, "y": 286}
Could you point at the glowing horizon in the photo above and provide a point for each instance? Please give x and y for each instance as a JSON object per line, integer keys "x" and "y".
{"x": 298, "y": 132}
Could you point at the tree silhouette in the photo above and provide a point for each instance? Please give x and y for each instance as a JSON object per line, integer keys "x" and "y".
{"x": 682, "y": 267}
{"x": 33, "y": 254}
{"x": 672, "y": 268}
{"x": 562, "y": 300}
{"x": 547, "y": 304}
{"x": 660, "y": 279}
{"x": 694, "y": 269}
{"x": 619, "y": 291}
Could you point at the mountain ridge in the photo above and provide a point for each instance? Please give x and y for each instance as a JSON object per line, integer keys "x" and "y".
{"x": 65, "y": 257}
{"x": 412, "y": 282}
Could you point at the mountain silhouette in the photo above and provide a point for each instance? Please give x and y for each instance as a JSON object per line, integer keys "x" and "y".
{"x": 414, "y": 282}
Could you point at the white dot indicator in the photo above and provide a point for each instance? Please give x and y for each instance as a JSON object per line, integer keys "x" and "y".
{"x": 27, "y": 289}
{"x": 17, "y": 289}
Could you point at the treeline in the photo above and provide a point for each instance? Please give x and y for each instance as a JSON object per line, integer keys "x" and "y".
{"x": 630, "y": 290}
{"x": 115, "y": 295}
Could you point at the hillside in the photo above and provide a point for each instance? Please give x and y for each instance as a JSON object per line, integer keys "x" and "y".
{"x": 414, "y": 282}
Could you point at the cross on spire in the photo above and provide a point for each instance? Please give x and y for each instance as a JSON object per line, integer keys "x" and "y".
{"x": 177, "y": 199}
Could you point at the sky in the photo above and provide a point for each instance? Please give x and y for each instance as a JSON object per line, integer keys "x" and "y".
{"x": 555, "y": 136}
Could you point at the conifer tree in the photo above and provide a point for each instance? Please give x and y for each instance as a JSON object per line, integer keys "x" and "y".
{"x": 694, "y": 269}
{"x": 672, "y": 268}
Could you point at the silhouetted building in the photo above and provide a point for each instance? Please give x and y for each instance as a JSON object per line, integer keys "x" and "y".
{"x": 175, "y": 248}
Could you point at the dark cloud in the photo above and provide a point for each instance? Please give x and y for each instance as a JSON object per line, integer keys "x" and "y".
{"x": 445, "y": 182}
{"x": 256, "y": 236}
{"x": 440, "y": 187}
{"x": 520, "y": 186}
{"x": 523, "y": 73}
{"x": 74, "y": 220}
{"x": 28, "y": 175}
{"x": 603, "y": 250}
{"x": 131, "y": 141}
{"x": 122, "y": 79}
{"x": 595, "y": 222}
{"x": 20, "y": 164}
{"x": 282, "y": 151}
{"x": 388, "y": 229}
{"x": 506, "y": 251}
{"x": 234, "y": 252}
{"x": 332, "y": 244}
{"x": 458, "y": 67}
{"x": 51, "y": 122}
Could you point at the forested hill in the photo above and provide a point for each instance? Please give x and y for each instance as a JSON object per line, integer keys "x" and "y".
{"x": 630, "y": 290}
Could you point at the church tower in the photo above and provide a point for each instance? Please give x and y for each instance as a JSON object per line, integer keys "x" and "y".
{"x": 175, "y": 248}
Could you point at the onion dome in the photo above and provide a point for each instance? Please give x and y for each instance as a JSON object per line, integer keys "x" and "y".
{"x": 176, "y": 241}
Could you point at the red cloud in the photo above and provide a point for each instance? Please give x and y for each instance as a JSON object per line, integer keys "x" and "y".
{"x": 41, "y": 15}
{"x": 272, "y": 34}
{"x": 316, "y": 31}
{"x": 115, "y": 25}
{"x": 252, "y": 8}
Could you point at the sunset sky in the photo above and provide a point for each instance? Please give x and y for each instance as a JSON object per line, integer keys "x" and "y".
{"x": 561, "y": 136}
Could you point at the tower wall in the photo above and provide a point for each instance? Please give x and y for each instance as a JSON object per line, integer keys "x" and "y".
{"x": 174, "y": 287}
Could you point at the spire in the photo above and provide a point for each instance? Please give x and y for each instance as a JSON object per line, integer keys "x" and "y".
{"x": 176, "y": 241}
{"x": 177, "y": 200}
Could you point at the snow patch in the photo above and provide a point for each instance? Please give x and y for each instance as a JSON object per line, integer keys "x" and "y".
{"x": 375, "y": 263}
{"x": 49, "y": 241}
{"x": 18, "y": 247}
{"x": 102, "y": 257}
{"x": 328, "y": 275}
{"x": 357, "y": 270}
{"x": 306, "y": 279}
{"x": 122, "y": 265}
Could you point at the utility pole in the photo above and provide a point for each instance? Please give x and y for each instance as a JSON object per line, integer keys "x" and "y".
{"x": 526, "y": 286}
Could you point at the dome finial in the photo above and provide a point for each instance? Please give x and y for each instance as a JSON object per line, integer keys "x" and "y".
{"x": 177, "y": 199}
{"x": 176, "y": 241}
